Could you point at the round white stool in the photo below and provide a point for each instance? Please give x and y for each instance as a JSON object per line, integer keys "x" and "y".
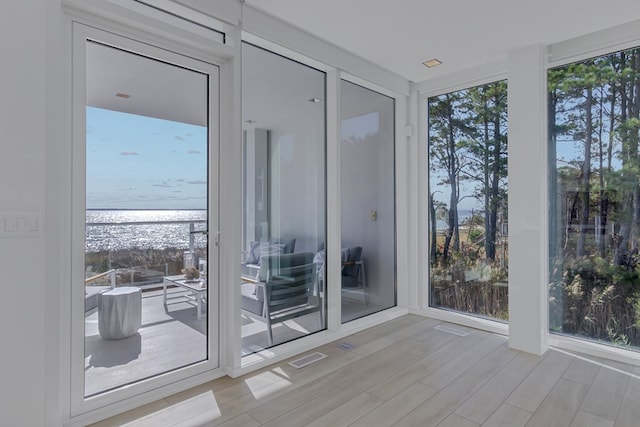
{"x": 119, "y": 312}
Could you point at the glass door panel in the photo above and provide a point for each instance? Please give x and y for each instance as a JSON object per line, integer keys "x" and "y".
{"x": 368, "y": 201}
{"x": 147, "y": 211}
{"x": 467, "y": 200}
{"x": 594, "y": 205}
{"x": 283, "y": 223}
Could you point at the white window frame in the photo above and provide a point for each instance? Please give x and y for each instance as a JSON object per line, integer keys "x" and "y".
{"x": 401, "y": 191}
{"x": 596, "y": 44}
{"x": 213, "y": 59}
{"x": 335, "y": 329}
{"x": 112, "y": 17}
{"x": 525, "y": 71}
{"x": 241, "y": 365}
{"x": 489, "y": 73}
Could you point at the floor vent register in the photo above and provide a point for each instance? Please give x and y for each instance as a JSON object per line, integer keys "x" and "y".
{"x": 452, "y": 331}
{"x": 307, "y": 360}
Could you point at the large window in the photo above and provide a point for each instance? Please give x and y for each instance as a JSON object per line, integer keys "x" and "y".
{"x": 283, "y": 221}
{"x": 594, "y": 129}
{"x": 368, "y": 201}
{"x": 468, "y": 254}
{"x": 148, "y": 197}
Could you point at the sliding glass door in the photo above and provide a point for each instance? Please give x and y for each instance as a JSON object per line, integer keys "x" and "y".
{"x": 145, "y": 200}
{"x": 283, "y": 221}
{"x": 368, "y": 253}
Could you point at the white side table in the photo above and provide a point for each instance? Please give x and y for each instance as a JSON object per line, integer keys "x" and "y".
{"x": 196, "y": 295}
{"x": 119, "y": 312}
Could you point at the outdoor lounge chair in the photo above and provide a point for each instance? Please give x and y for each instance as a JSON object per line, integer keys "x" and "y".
{"x": 353, "y": 279}
{"x": 285, "y": 290}
{"x": 353, "y": 275}
{"x": 250, "y": 266}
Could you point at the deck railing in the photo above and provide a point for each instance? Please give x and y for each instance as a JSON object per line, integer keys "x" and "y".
{"x": 126, "y": 275}
{"x": 112, "y": 277}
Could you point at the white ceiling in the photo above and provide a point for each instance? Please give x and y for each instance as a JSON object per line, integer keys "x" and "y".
{"x": 401, "y": 34}
{"x": 396, "y": 34}
{"x": 155, "y": 88}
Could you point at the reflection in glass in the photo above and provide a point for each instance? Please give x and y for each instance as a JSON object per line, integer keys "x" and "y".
{"x": 146, "y": 208}
{"x": 368, "y": 201}
{"x": 468, "y": 254}
{"x": 283, "y": 222}
{"x": 594, "y": 223}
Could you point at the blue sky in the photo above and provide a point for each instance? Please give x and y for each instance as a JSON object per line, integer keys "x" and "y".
{"x": 137, "y": 162}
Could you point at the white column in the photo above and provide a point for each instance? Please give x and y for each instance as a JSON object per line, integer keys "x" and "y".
{"x": 409, "y": 180}
{"x": 332, "y": 275}
{"x": 527, "y": 199}
{"x": 230, "y": 211}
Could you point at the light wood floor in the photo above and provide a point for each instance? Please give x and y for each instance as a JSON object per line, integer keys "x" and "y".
{"x": 406, "y": 373}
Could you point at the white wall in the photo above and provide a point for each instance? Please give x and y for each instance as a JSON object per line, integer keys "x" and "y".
{"x": 23, "y": 117}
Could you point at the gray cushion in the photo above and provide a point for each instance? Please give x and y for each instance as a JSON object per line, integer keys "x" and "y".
{"x": 249, "y": 300}
{"x": 258, "y": 248}
{"x": 289, "y": 245}
{"x": 267, "y": 249}
{"x": 252, "y": 297}
{"x": 273, "y": 262}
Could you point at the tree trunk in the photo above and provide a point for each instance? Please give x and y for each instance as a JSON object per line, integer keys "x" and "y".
{"x": 433, "y": 235}
{"x": 600, "y": 224}
{"x": 557, "y": 226}
{"x": 626, "y": 94}
{"x": 497, "y": 167}
{"x": 585, "y": 187}
{"x": 486, "y": 184}
{"x": 454, "y": 231}
{"x": 612, "y": 130}
{"x": 635, "y": 160}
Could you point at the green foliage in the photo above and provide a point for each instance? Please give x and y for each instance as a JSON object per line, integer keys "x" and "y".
{"x": 598, "y": 300}
{"x": 468, "y": 283}
{"x": 475, "y": 234}
{"x": 468, "y": 155}
{"x": 594, "y": 117}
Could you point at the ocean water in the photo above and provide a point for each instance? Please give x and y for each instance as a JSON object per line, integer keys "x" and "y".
{"x": 112, "y": 230}
{"x": 463, "y": 215}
